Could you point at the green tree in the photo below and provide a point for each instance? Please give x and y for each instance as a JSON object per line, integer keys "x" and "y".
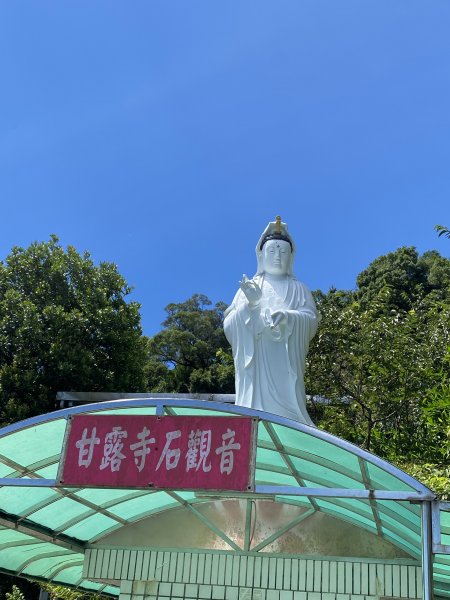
{"x": 191, "y": 353}
{"x": 408, "y": 277}
{"x": 65, "y": 324}
{"x": 361, "y": 362}
{"x": 379, "y": 353}
{"x": 436, "y": 409}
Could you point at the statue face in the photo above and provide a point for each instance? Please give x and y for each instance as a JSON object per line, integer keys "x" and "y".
{"x": 276, "y": 257}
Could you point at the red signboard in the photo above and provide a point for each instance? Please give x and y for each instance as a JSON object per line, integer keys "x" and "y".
{"x": 177, "y": 452}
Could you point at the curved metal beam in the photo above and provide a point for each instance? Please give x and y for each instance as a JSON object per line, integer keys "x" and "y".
{"x": 288, "y": 461}
{"x": 63, "y": 567}
{"x": 287, "y": 490}
{"x": 30, "y": 469}
{"x": 31, "y": 542}
{"x": 41, "y": 533}
{"x": 33, "y": 559}
{"x": 224, "y": 408}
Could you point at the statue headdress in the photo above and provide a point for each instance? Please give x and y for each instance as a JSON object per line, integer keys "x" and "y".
{"x": 275, "y": 230}
{"x": 277, "y": 233}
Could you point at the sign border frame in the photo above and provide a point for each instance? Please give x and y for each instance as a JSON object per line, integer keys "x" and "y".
{"x": 251, "y": 467}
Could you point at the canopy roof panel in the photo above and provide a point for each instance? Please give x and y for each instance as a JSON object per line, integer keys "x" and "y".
{"x": 45, "y": 529}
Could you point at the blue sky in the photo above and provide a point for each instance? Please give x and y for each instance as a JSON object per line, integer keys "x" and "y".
{"x": 164, "y": 135}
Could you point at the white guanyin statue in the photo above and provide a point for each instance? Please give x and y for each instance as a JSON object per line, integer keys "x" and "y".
{"x": 269, "y": 325}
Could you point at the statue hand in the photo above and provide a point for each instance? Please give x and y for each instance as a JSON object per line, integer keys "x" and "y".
{"x": 251, "y": 290}
{"x": 279, "y": 317}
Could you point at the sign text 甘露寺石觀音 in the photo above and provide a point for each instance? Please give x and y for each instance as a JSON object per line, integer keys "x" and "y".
{"x": 178, "y": 452}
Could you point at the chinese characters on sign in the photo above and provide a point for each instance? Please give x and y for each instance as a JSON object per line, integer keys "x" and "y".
{"x": 179, "y": 452}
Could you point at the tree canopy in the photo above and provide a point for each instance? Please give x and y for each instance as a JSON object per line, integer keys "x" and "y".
{"x": 381, "y": 359}
{"x": 406, "y": 279}
{"x": 65, "y": 324}
{"x": 191, "y": 353}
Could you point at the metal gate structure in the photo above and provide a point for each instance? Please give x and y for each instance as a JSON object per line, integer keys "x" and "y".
{"x": 326, "y": 520}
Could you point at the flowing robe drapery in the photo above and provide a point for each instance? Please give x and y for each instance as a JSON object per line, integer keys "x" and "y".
{"x": 270, "y": 361}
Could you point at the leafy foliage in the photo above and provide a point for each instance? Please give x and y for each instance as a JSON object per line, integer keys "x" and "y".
{"x": 406, "y": 279}
{"x": 15, "y": 594}
{"x": 65, "y": 324}
{"x": 442, "y": 231}
{"x": 381, "y": 359}
{"x": 435, "y": 476}
{"x": 191, "y": 353}
{"x": 59, "y": 592}
{"x": 9, "y": 585}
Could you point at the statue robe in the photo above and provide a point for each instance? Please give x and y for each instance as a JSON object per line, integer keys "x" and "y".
{"x": 270, "y": 361}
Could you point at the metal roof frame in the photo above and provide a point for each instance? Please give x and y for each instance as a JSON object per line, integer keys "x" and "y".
{"x": 352, "y": 489}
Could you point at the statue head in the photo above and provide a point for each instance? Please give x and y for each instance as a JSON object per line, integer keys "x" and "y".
{"x": 276, "y": 256}
{"x": 275, "y": 250}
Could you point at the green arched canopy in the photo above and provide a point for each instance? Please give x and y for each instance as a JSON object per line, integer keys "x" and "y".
{"x": 45, "y": 529}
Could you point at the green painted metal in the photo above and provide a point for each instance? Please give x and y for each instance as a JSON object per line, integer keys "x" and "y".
{"x": 295, "y": 464}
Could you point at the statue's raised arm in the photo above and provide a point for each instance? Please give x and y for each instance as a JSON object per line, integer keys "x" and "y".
{"x": 269, "y": 325}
